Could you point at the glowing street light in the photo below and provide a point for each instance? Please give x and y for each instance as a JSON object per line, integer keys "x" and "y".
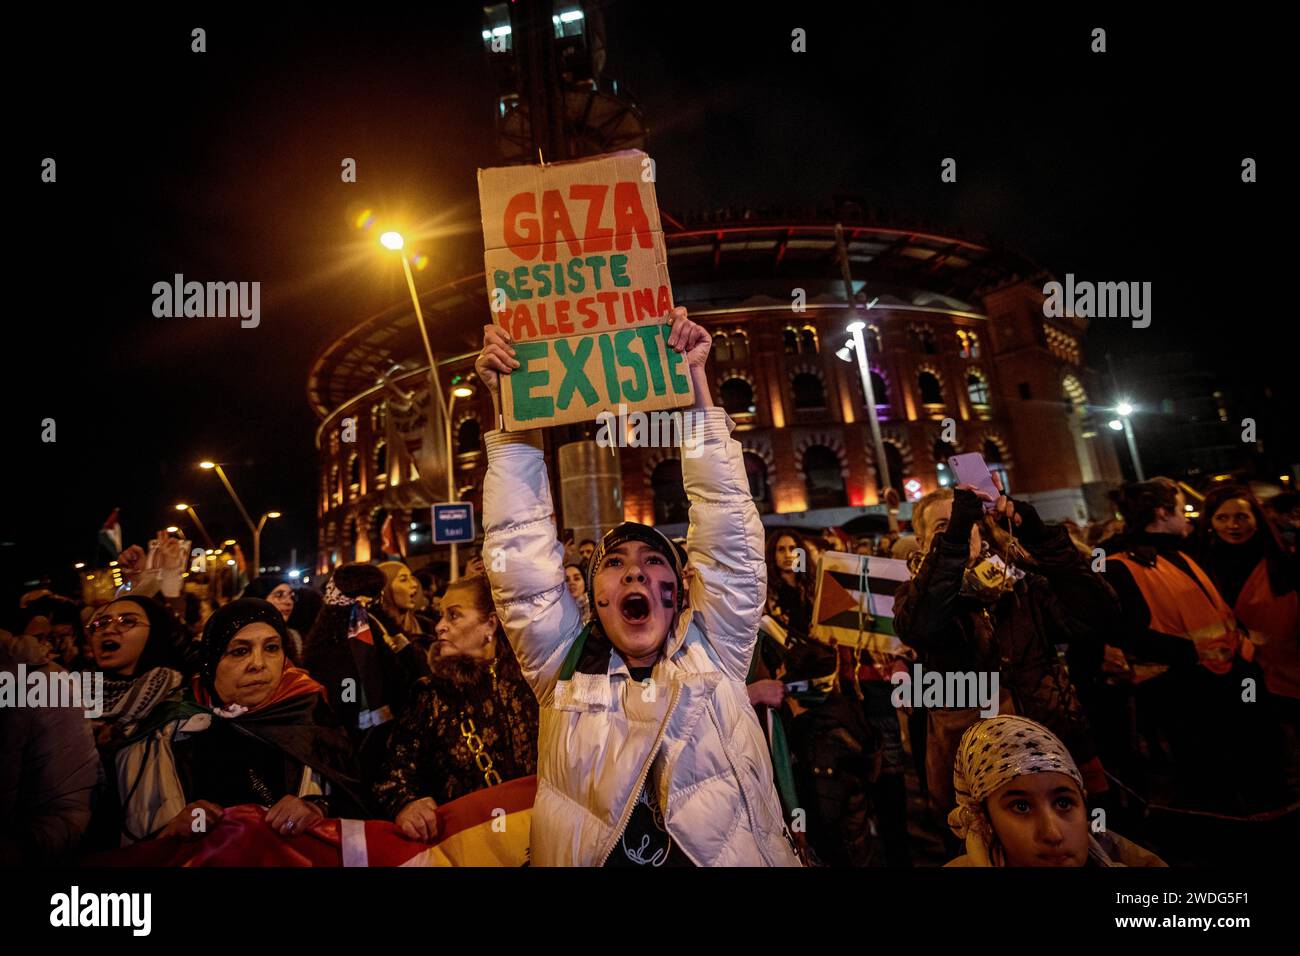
{"x": 1116, "y": 424}
{"x": 194, "y": 516}
{"x": 256, "y": 529}
{"x": 394, "y": 242}
{"x": 1125, "y": 410}
{"x": 856, "y": 328}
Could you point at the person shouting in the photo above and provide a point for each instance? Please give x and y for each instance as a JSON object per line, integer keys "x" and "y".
{"x": 649, "y": 752}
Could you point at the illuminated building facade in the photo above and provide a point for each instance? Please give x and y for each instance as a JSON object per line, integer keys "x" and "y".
{"x": 961, "y": 357}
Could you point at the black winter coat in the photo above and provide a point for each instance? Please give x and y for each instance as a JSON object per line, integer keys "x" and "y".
{"x": 1060, "y": 602}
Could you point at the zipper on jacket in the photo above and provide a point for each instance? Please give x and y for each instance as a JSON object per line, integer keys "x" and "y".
{"x": 749, "y": 812}
{"x": 626, "y": 816}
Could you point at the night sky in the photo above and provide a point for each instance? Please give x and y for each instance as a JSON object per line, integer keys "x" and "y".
{"x": 1123, "y": 166}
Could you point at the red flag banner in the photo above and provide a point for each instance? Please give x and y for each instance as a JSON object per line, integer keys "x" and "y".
{"x": 488, "y": 827}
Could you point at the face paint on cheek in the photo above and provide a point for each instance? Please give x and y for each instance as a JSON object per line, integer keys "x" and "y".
{"x": 668, "y": 594}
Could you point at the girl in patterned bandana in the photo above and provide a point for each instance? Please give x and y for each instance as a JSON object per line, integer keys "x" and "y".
{"x": 1020, "y": 802}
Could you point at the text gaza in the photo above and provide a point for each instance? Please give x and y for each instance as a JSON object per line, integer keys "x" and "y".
{"x": 527, "y": 232}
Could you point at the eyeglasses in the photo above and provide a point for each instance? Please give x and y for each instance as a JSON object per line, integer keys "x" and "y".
{"x": 123, "y": 621}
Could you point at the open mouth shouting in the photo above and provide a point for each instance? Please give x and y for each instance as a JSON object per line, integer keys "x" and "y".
{"x": 635, "y": 607}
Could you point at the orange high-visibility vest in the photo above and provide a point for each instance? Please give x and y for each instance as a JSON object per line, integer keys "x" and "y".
{"x": 1181, "y": 609}
{"x": 1274, "y": 624}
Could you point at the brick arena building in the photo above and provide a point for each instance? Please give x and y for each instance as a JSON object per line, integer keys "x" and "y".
{"x": 962, "y": 359}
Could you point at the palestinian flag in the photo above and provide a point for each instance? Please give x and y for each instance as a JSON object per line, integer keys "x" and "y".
{"x": 110, "y": 536}
{"x": 854, "y": 605}
{"x": 489, "y": 827}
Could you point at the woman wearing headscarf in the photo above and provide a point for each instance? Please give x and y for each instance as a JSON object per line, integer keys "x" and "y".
{"x": 1021, "y": 802}
{"x": 368, "y": 668}
{"x": 250, "y": 729}
{"x": 472, "y": 724}
{"x": 399, "y": 601}
{"x": 276, "y": 591}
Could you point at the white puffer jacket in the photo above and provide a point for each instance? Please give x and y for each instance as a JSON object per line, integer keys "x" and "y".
{"x": 601, "y": 732}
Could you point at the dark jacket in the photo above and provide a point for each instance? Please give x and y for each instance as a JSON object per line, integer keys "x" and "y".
{"x": 429, "y": 752}
{"x": 259, "y": 758}
{"x": 1059, "y": 602}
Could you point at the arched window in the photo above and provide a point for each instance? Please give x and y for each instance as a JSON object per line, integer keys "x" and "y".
{"x": 993, "y": 458}
{"x": 354, "y": 475}
{"x": 977, "y": 388}
{"x": 737, "y": 397}
{"x": 381, "y": 464}
{"x": 879, "y": 390}
{"x": 969, "y": 343}
{"x": 670, "y": 501}
{"x": 923, "y": 339}
{"x": 808, "y": 391}
{"x": 824, "y": 478}
{"x": 873, "y": 340}
{"x": 931, "y": 392}
{"x": 942, "y": 452}
{"x": 739, "y": 347}
{"x": 336, "y": 491}
{"x": 413, "y": 473}
{"x": 808, "y": 343}
{"x": 791, "y": 339}
{"x": 467, "y": 436}
{"x": 756, "y": 471}
{"x": 721, "y": 347}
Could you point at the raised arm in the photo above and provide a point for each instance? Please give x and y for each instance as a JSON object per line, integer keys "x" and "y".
{"x": 725, "y": 538}
{"x": 522, "y": 554}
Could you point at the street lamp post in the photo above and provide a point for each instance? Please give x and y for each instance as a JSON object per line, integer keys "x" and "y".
{"x": 395, "y": 242}
{"x": 194, "y": 516}
{"x": 860, "y": 346}
{"x": 1125, "y": 411}
{"x": 256, "y": 529}
{"x": 460, "y": 391}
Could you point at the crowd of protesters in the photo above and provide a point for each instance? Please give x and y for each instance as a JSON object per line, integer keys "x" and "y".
{"x": 677, "y": 700}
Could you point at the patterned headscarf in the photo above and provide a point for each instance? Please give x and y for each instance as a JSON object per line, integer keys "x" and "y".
{"x": 992, "y": 753}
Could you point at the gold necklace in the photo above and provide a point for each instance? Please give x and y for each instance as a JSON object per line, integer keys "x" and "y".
{"x": 482, "y": 759}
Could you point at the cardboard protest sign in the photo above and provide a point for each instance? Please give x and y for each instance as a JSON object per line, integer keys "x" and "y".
{"x": 854, "y": 605}
{"x": 577, "y": 273}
